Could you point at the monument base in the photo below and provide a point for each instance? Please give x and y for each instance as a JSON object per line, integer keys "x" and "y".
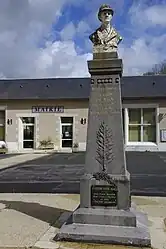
{"x": 106, "y": 226}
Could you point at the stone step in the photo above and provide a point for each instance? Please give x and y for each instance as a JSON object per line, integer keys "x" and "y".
{"x": 104, "y": 216}
{"x": 134, "y": 236}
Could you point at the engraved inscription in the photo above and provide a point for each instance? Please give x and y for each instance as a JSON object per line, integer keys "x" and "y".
{"x": 103, "y": 98}
{"x": 104, "y": 195}
{"x": 106, "y": 99}
{"x": 104, "y": 146}
{"x": 105, "y": 80}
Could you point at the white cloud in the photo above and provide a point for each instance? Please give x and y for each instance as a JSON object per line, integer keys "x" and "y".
{"x": 24, "y": 22}
{"x": 156, "y": 15}
{"x": 61, "y": 60}
{"x": 147, "y": 49}
{"x": 139, "y": 57}
{"x": 142, "y": 54}
{"x": 83, "y": 27}
{"x": 148, "y": 16}
{"x": 68, "y": 32}
{"x": 22, "y": 25}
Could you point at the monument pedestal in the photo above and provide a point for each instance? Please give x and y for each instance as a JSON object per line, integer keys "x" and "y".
{"x": 121, "y": 233}
{"x": 105, "y": 214}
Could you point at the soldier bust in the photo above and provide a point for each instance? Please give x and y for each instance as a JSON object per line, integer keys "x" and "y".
{"x": 105, "y": 38}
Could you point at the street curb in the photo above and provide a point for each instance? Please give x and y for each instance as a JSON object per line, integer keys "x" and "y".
{"x": 32, "y": 152}
{"x": 148, "y": 193}
{"x": 18, "y": 164}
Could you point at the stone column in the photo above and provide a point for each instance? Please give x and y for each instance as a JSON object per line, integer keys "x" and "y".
{"x": 105, "y": 162}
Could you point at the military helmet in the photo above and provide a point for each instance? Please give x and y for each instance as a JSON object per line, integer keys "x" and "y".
{"x": 105, "y": 7}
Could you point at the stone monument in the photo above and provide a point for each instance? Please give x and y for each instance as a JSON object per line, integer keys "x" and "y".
{"x": 105, "y": 214}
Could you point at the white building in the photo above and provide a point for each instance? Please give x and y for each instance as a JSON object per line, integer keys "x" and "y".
{"x": 33, "y": 110}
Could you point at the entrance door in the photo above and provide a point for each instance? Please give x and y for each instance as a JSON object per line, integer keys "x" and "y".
{"x": 2, "y": 126}
{"x": 66, "y": 132}
{"x": 28, "y": 132}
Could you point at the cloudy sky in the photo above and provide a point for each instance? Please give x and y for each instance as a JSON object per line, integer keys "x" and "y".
{"x": 49, "y": 38}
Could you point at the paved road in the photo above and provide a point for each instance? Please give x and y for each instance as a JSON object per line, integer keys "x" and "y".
{"x": 3, "y": 156}
{"x": 60, "y": 173}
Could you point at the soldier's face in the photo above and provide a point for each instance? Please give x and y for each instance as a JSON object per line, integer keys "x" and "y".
{"x": 106, "y": 16}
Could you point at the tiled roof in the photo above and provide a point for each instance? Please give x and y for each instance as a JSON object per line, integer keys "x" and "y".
{"x": 79, "y": 88}
{"x": 144, "y": 86}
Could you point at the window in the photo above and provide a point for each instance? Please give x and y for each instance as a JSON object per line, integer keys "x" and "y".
{"x": 67, "y": 120}
{"x": 28, "y": 120}
{"x": 142, "y": 125}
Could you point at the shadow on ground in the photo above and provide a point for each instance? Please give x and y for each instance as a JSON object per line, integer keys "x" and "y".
{"x": 54, "y": 216}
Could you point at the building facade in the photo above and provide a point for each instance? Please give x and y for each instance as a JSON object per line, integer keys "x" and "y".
{"x": 33, "y": 111}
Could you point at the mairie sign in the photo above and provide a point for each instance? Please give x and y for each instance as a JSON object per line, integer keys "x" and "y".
{"x": 47, "y": 109}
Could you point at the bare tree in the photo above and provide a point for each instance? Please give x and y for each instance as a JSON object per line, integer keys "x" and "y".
{"x": 158, "y": 69}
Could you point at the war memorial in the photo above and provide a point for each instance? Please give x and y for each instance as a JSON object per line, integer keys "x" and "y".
{"x": 106, "y": 214}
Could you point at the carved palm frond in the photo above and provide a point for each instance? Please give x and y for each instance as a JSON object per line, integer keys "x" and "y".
{"x": 104, "y": 146}
{"x": 100, "y": 145}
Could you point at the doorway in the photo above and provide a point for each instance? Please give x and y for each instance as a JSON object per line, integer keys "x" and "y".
{"x": 66, "y": 132}
{"x": 28, "y": 124}
{"x": 2, "y": 126}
